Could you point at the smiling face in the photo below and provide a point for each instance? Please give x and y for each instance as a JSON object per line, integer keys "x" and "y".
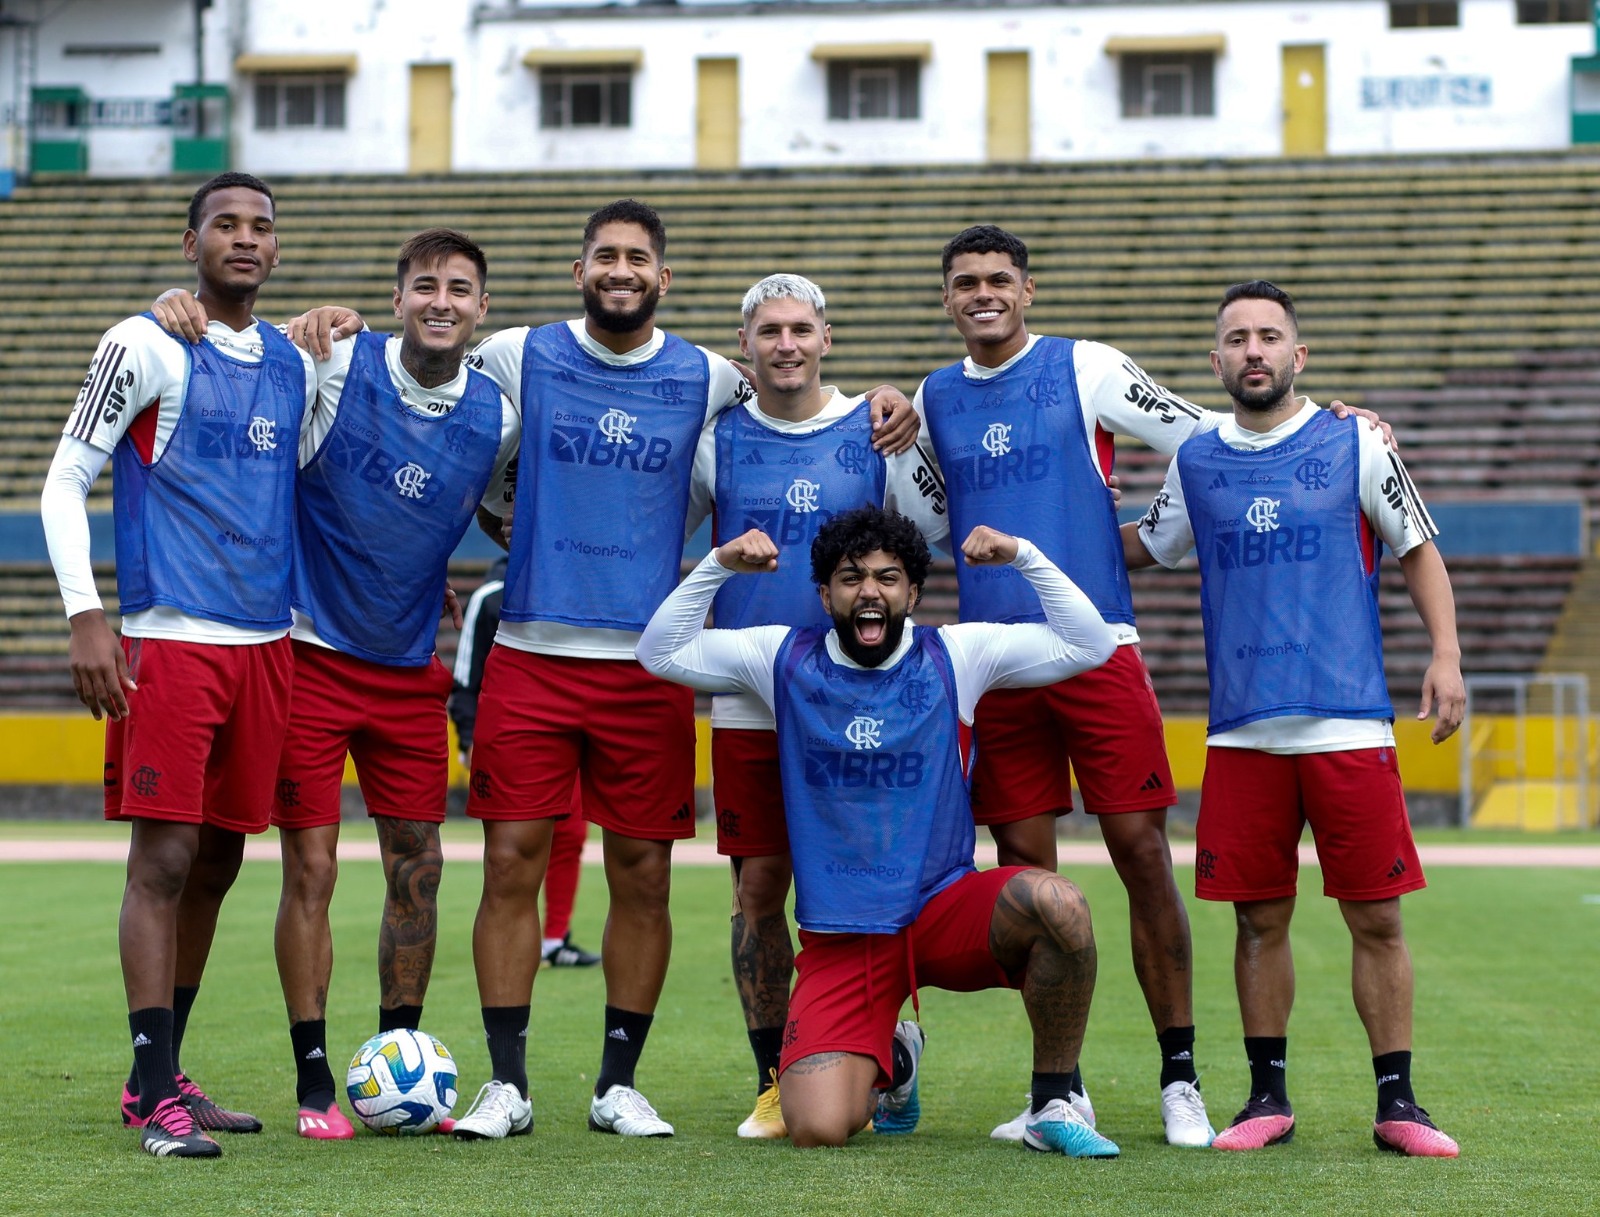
{"x": 236, "y": 247}
{"x": 1257, "y": 356}
{"x": 622, "y": 278}
{"x": 869, "y": 598}
{"x": 439, "y": 307}
{"x": 986, "y": 296}
{"x": 785, "y": 341}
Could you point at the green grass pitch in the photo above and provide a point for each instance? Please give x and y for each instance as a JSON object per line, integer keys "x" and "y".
{"x": 1508, "y": 983}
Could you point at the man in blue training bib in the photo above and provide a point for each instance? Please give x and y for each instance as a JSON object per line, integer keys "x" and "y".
{"x": 869, "y": 711}
{"x": 1288, "y": 509}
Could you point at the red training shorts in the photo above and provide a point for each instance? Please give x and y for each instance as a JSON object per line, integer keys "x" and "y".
{"x": 392, "y": 720}
{"x": 201, "y": 739}
{"x": 1253, "y": 806}
{"x": 849, "y": 987}
{"x": 1105, "y": 722}
{"x": 747, "y": 792}
{"x": 545, "y": 719}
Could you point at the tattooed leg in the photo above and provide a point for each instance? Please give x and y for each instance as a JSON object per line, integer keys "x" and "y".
{"x": 303, "y": 941}
{"x": 827, "y": 1097}
{"x": 763, "y": 953}
{"x": 1158, "y": 924}
{"x": 406, "y": 937}
{"x": 1041, "y": 929}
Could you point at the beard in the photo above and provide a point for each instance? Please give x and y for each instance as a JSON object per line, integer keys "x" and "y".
{"x": 894, "y": 628}
{"x": 1264, "y": 400}
{"x": 609, "y": 319}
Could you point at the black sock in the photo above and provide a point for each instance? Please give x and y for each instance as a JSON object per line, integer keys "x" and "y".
{"x": 767, "y": 1044}
{"x": 313, "y": 1081}
{"x": 1393, "y": 1071}
{"x": 1047, "y": 1086}
{"x": 1177, "y": 1056}
{"x": 1268, "y": 1056}
{"x": 401, "y": 1018}
{"x": 506, "y": 1028}
{"x": 625, "y": 1036}
{"x": 182, "y": 1002}
{"x": 1075, "y": 1081}
{"x": 151, "y": 1030}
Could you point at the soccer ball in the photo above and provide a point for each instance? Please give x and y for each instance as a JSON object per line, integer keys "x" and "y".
{"x": 402, "y": 1082}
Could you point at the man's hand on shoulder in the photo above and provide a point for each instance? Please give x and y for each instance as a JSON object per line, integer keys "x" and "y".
{"x": 178, "y": 312}
{"x": 750, "y": 554}
{"x": 985, "y": 546}
{"x": 894, "y": 422}
{"x": 318, "y": 329}
{"x": 1339, "y": 410}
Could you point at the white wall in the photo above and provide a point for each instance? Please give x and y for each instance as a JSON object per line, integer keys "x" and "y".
{"x": 1522, "y": 72}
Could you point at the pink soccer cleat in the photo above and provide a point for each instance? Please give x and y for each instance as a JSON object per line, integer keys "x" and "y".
{"x": 1264, "y": 1121}
{"x": 329, "y": 1125}
{"x": 1406, "y": 1129}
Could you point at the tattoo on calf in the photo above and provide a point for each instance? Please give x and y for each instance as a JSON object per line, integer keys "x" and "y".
{"x": 408, "y": 933}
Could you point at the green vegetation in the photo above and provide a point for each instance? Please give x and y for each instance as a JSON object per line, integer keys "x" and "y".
{"x": 1507, "y": 992}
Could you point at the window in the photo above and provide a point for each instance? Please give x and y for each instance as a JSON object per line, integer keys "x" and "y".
{"x": 1416, "y": 16}
{"x": 874, "y": 89}
{"x": 1551, "y": 12}
{"x": 1168, "y": 84}
{"x": 299, "y": 101}
{"x": 586, "y": 97}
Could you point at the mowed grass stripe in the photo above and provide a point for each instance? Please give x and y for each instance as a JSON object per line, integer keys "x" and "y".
{"x": 1507, "y": 993}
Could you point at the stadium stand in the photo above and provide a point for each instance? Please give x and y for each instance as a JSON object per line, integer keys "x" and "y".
{"x": 1453, "y": 294}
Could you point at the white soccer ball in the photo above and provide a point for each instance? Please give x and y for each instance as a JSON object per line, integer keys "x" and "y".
{"x": 402, "y": 1082}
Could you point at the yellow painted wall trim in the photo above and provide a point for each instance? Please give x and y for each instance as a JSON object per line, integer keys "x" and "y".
{"x": 69, "y": 749}
{"x": 1177, "y": 44}
{"x": 612, "y": 57}
{"x": 274, "y": 64}
{"x": 825, "y": 51}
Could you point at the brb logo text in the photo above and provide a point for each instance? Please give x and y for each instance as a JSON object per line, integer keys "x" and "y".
{"x": 609, "y": 441}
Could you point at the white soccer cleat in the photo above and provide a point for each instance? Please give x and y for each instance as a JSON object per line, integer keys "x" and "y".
{"x": 1013, "y": 1129}
{"x": 499, "y": 1111}
{"x": 1183, "y": 1112}
{"x": 626, "y": 1112}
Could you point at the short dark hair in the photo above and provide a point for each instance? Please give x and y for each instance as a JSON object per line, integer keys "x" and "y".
{"x": 628, "y": 211}
{"x": 224, "y": 181}
{"x": 986, "y": 239}
{"x": 432, "y": 246}
{"x": 1261, "y": 289}
{"x": 854, "y": 534}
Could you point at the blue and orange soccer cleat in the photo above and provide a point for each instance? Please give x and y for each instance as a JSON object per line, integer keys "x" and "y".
{"x": 899, "y": 1108}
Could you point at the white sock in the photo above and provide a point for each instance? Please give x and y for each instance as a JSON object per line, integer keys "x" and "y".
{"x": 551, "y": 944}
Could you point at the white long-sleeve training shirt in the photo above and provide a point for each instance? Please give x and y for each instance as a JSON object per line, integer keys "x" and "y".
{"x": 984, "y": 655}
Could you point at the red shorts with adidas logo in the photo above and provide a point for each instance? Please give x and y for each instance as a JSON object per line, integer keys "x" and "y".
{"x": 1253, "y": 806}
{"x": 544, "y": 720}
{"x": 1105, "y": 722}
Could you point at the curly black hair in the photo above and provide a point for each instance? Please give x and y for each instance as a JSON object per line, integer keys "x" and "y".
{"x": 854, "y": 534}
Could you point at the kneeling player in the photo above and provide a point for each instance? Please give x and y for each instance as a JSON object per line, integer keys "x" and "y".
{"x": 868, "y": 718}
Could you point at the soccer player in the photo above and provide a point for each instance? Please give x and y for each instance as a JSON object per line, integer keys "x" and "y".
{"x": 1023, "y": 431}
{"x": 868, "y": 711}
{"x": 203, "y": 440}
{"x": 1287, "y": 509}
{"x": 404, "y": 447}
{"x": 786, "y": 463}
{"x": 612, "y": 411}
{"x": 480, "y": 621}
